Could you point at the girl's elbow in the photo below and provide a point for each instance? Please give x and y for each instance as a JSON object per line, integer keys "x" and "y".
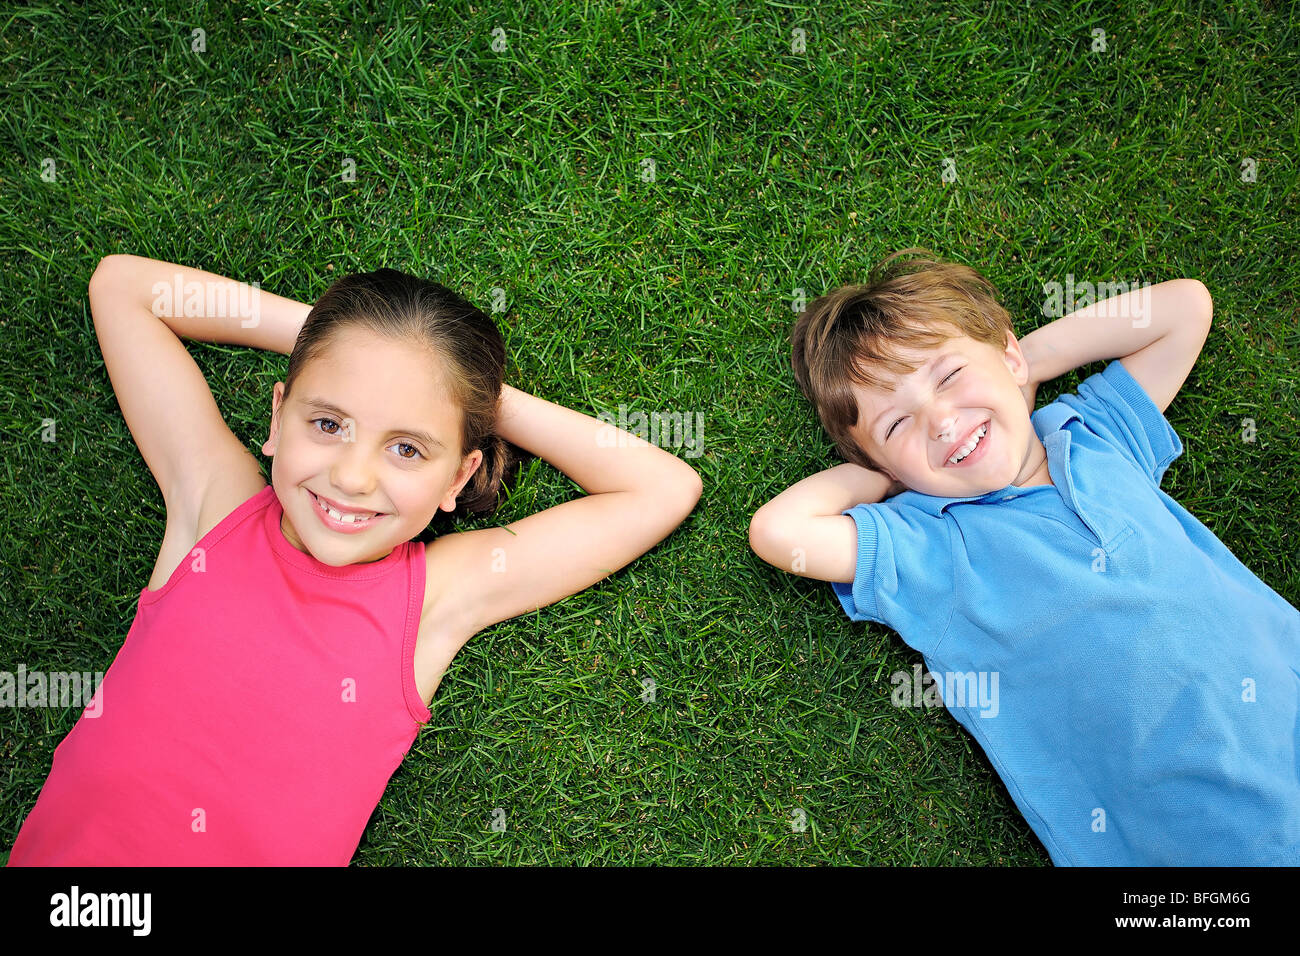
{"x": 104, "y": 271}
{"x": 688, "y": 489}
{"x": 679, "y": 478}
{"x": 668, "y": 499}
{"x": 1202, "y": 301}
{"x": 693, "y": 486}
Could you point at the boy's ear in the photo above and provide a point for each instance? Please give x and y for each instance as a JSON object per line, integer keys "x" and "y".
{"x": 1015, "y": 360}
{"x": 882, "y": 470}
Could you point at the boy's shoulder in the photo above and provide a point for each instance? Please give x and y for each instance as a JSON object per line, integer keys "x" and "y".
{"x": 1112, "y": 405}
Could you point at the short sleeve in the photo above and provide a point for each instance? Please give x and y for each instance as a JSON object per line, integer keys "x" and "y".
{"x": 903, "y": 577}
{"x": 1116, "y": 408}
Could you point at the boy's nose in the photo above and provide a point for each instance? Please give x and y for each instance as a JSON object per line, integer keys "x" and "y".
{"x": 947, "y": 429}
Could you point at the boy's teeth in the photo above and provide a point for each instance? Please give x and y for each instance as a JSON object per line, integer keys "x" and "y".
{"x": 969, "y": 447}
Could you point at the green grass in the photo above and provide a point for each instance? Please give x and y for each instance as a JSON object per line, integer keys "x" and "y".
{"x": 522, "y": 169}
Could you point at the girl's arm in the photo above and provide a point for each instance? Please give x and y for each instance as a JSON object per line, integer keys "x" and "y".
{"x": 141, "y": 308}
{"x": 207, "y": 307}
{"x": 1157, "y": 331}
{"x": 636, "y": 495}
{"x": 802, "y": 531}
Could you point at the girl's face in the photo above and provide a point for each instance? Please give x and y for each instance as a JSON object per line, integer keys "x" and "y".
{"x": 960, "y": 386}
{"x": 370, "y": 427}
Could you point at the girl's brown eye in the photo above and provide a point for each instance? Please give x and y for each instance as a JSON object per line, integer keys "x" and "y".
{"x": 410, "y": 446}
{"x": 331, "y": 421}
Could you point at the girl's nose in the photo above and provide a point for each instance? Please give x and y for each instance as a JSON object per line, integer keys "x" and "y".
{"x": 353, "y": 472}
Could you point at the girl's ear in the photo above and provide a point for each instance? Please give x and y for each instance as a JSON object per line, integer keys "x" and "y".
{"x": 277, "y": 399}
{"x": 469, "y": 464}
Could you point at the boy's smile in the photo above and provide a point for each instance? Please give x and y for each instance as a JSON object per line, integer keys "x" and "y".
{"x": 956, "y": 427}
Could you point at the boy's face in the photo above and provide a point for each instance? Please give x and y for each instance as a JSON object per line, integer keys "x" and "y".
{"x": 960, "y": 387}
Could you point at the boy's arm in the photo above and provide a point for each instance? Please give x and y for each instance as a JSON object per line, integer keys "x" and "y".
{"x": 1158, "y": 331}
{"x": 802, "y": 531}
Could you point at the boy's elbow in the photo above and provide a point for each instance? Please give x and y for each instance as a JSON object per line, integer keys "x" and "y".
{"x": 755, "y": 540}
{"x": 760, "y": 534}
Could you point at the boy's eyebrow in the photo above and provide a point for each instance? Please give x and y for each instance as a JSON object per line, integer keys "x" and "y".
{"x": 923, "y": 369}
{"x": 334, "y": 409}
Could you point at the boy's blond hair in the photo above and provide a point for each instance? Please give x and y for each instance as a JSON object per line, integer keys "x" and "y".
{"x": 849, "y": 336}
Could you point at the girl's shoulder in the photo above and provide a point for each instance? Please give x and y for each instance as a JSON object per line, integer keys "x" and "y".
{"x": 227, "y": 495}
{"x": 445, "y": 624}
{"x": 447, "y": 568}
{"x": 188, "y": 522}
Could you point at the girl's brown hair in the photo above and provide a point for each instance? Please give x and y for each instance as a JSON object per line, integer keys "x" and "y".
{"x": 846, "y": 337}
{"x": 405, "y": 308}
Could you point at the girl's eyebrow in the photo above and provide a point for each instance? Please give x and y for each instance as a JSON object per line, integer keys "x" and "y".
{"x": 934, "y": 362}
{"x": 335, "y": 410}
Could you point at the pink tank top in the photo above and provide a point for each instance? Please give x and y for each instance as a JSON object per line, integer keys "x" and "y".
{"x": 253, "y": 716}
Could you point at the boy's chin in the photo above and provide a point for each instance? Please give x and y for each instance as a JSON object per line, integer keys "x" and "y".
{"x": 952, "y": 489}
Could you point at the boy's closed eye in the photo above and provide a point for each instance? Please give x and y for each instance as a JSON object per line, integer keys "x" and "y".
{"x": 890, "y": 431}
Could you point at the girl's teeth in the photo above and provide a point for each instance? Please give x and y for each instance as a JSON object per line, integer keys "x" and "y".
{"x": 338, "y": 516}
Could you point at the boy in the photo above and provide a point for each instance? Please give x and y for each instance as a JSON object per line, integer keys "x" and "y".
{"x": 1134, "y": 684}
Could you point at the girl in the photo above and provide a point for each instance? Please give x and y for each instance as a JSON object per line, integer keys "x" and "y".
{"x": 292, "y": 636}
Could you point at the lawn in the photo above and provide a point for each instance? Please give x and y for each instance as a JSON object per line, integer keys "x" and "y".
{"x": 654, "y": 187}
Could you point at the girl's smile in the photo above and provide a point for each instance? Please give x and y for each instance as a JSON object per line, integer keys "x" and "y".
{"x": 344, "y": 521}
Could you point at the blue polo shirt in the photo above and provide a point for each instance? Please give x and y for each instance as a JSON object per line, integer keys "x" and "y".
{"x": 1135, "y": 686}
